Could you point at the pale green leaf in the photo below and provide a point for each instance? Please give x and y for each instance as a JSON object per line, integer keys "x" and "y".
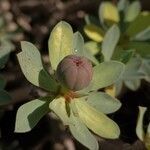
{"x": 139, "y": 126}
{"x": 139, "y": 24}
{"x": 133, "y": 11}
{"x": 143, "y": 35}
{"x": 122, "y": 5}
{"x": 60, "y": 43}
{"x": 78, "y": 44}
{"x": 145, "y": 69}
{"x": 58, "y": 106}
{"x": 94, "y": 32}
{"x": 133, "y": 84}
{"x": 110, "y": 41}
{"x": 92, "y": 58}
{"x": 105, "y": 74}
{"x": 96, "y": 121}
{"x": 103, "y": 102}
{"x": 132, "y": 69}
{"x": 93, "y": 47}
{"x": 79, "y": 49}
{"x": 4, "y": 98}
{"x": 31, "y": 65}
{"x": 82, "y": 134}
{"x": 30, "y": 113}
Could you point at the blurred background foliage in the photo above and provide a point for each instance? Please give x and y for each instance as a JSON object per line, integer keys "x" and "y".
{"x": 32, "y": 20}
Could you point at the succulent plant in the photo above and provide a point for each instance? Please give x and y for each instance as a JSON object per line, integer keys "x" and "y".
{"x": 121, "y": 33}
{"x": 75, "y": 72}
{"x": 82, "y": 106}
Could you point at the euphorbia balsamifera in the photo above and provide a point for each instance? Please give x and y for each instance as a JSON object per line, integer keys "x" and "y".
{"x": 78, "y": 109}
{"x": 75, "y": 72}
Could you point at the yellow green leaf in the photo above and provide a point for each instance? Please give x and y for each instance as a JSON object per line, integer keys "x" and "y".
{"x": 58, "y": 106}
{"x": 139, "y": 127}
{"x": 108, "y": 12}
{"x": 97, "y": 121}
{"x": 139, "y": 24}
{"x": 132, "y": 11}
{"x": 60, "y": 43}
{"x": 93, "y": 47}
{"x": 94, "y": 32}
{"x": 81, "y": 133}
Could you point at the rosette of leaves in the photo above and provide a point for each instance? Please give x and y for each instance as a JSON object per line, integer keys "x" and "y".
{"x": 87, "y": 108}
{"x": 122, "y": 34}
{"x": 143, "y": 132}
{"x": 4, "y": 55}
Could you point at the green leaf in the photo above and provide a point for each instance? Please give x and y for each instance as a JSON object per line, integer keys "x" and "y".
{"x": 92, "y": 58}
{"x": 126, "y": 56}
{"x": 133, "y": 11}
{"x": 4, "y": 55}
{"x": 145, "y": 69}
{"x": 133, "y": 84}
{"x": 143, "y": 35}
{"x": 117, "y": 53}
{"x": 94, "y": 32}
{"x": 79, "y": 49}
{"x": 123, "y": 55}
{"x": 4, "y": 98}
{"x": 2, "y": 82}
{"x": 58, "y": 106}
{"x": 122, "y": 5}
{"x": 132, "y": 69}
{"x": 105, "y": 74}
{"x": 82, "y": 134}
{"x": 108, "y": 13}
{"x": 141, "y": 48}
{"x": 139, "y": 126}
{"x": 110, "y": 41}
{"x": 139, "y": 24}
{"x": 103, "y": 102}
{"x": 31, "y": 65}
{"x": 78, "y": 44}
{"x": 96, "y": 121}
{"x": 29, "y": 114}
{"x": 133, "y": 73}
{"x": 93, "y": 47}
{"x": 60, "y": 43}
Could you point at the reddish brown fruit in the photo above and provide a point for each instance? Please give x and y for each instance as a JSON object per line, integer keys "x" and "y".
{"x": 75, "y": 72}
